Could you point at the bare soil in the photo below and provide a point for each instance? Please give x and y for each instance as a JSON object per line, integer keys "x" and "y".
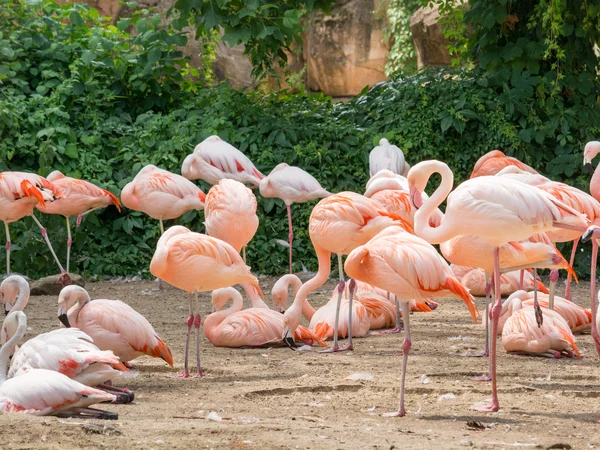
{"x": 276, "y": 398}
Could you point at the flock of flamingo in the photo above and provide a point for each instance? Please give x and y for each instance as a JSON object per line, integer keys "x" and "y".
{"x": 497, "y": 229}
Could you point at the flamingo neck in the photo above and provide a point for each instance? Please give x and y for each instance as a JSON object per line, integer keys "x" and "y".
{"x": 301, "y": 304}
{"x": 423, "y": 228}
{"x": 73, "y": 313}
{"x": 595, "y": 184}
{"x": 10, "y": 345}
{"x": 215, "y": 319}
{"x": 254, "y": 297}
{"x": 22, "y": 297}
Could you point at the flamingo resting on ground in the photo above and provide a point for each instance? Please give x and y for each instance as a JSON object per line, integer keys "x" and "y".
{"x": 522, "y": 335}
{"x": 112, "y": 324}
{"x": 253, "y": 327}
{"x": 68, "y": 351}
{"x": 387, "y": 156}
{"x": 338, "y": 224}
{"x": 497, "y": 209}
{"x": 44, "y": 392}
{"x": 194, "y": 262}
{"x": 292, "y": 185}
{"x": 475, "y": 280}
{"x": 214, "y": 159}
{"x": 20, "y": 192}
{"x": 410, "y": 268}
{"x": 78, "y": 198}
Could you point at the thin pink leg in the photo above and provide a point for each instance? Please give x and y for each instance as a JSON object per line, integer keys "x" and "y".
{"x": 486, "y": 352}
{"x": 335, "y": 347}
{"x": 65, "y": 280}
{"x": 571, "y": 261}
{"x": 398, "y": 327}
{"x": 190, "y": 321}
{"x": 496, "y": 309}
{"x": 593, "y": 294}
{"x": 8, "y": 245}
{"x": 352, "y": 289}
{"x": 405, "y": 350}
{"x": 197, "y": 322}
{"x": 291, "y": 233}
{"x": 521, "y": 276}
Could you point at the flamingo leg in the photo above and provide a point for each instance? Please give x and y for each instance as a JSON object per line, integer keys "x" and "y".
{"x": 123, "y": 395}
{"x": 8, "y": 244}
{"x": 244, "y": 253}
{"x": 593, "y": 294}
{"x": 64, "y": 279}
{"x": 162, "y": 230}
{"x": 291, "y": 233}
{"x": 405, "y": 350}
{"x": 80, "y": 216}
{"x": 335, "y": 347}
{"x": 496, "y": 309}
{"x": 521, "y": 279}
{"x": 189, "y": 322}
{"x": 398, "y": 327}
{"x": 69, "y": 243}
{"x": 539, "y": 318}
{"x": 552, "y": 288}
{"x": 486, "y": 352}
{"x": 352, "y": 289}
{"x": 197, "y": 322}
{"x": 569, "y": 277}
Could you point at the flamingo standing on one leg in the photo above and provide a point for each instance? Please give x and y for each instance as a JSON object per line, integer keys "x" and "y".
{"x": 112, "y": 324}
{"x": 389, "y": 157}
{"x": 196, "y": 263}
{"x": 493, "y": 162}
{"x": 78, "y": 198}
{"x": 338, "y": 224}
{"x": 292, "y": 185}
{"x": 20, "y": 192}
{"x": 497, "y": 209}
{"x": 409, "y": 267}
{"x": 253, "y": 327}
{"x": 214, "y": 159}
{"x": 44, "y": 392}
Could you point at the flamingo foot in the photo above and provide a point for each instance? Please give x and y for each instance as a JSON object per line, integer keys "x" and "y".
{"x": 494, "y": 407}
{"x": 199, "y": 374}
{"x": 348, "y": 347}
{"x": 483, "y": 354}
{"x": 185, "y": 374}
{"x": 334, "y": 348}
{"x": 597, "y": 343}
{"x": 394, "y": 330}
{"x": 482, "y": 378}
{"x": 64, "y": 279}
{"x": 400, "y": 413}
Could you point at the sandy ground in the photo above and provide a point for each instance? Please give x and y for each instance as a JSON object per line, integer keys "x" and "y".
{"x": 277, "y": 398}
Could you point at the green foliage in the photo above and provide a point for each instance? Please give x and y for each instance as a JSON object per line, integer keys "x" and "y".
{"x": 266, "y": 28}
{"x": 402, "y": 57}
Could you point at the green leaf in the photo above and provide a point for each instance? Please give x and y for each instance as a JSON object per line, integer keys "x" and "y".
{"x": 154, "y": 55}
{"x": 123, "y": 24}
{"x": 87, "y": 56}
{"x": 76, "y": 19}
{"x": 71, "y": 151}
{"x": 142, "y": 25}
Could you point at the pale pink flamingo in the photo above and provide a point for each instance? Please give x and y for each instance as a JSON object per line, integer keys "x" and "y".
{"x": 592, "y": 148}
{"x": 497, "y": 209}
{"x": 475, "y": 280}
{"x": 522, "y": 335}
{"x": 409, "y": 267}
{"x": 71, "y": 352}
{"x": 253, "y": 327}
{"x": 593, "y": 233}
{"x": 338, "y": 224}
{"x": 78, "y": 198}
{"x": 387, "y": 156}
{"x": 195, "y": 262}
{"x": 161, "y": 195}
{"x": 20, "y": 192}
{"x": 579, "y": 319}
{"x": 112, "y": 324}
{"x": 292, "y": 185}
{"x": 14, "y": 293}
{"x": 45, "y": 392}
{"x": 214, "y": 159}
{"x": 493, "y": 162}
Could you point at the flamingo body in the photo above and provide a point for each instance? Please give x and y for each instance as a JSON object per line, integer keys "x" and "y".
{"x": 493, "y": 162}
{"x": 387, "y": 156}
{"x": 292, "y": 185}
{"x": 475, "y": 281}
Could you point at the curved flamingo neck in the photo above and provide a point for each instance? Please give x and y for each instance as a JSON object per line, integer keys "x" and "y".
{"x": 214, "y": 320}
{"x": 301, "y": 304}
{"x": 22, "y": 297}
{"x": 595, "y": 184}
{"x": 423, "y": 228}
{"x": 10, "y": 345}
{"x": 254, "y": 297}
{"x": 74, "y": 311}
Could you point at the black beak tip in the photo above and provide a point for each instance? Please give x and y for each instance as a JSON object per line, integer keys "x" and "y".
{"x": 64, "y": 320}
{"x": 587, "y": 235}
{"x": 6, "y": 311}
{"x": 289, "y": 341}
{"x": 588, "y": 168}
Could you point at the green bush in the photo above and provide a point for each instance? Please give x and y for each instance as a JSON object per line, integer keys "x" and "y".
{"x": 111, "y": 126}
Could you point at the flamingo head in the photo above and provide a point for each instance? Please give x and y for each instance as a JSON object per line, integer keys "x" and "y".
{"x": 592, "y": 232}
{"x": 67, "y": 298}
{"x": 10, "y": 289}
{"x": 592, "y": 148}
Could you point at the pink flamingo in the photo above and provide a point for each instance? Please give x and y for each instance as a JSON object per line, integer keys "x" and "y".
{"x": 592, "y": 148}
{"x": 112, "y": 324}
{"x": 409, "y": 267}
{"x": 161, "y": 195}
{"x": 71, "y": 352}
{"x": 522, "y": 335}
{"x": 493, "y": 162}
{"x": 20, "y": 192}
{"x": 78, "y": 198}
{"x": 214, "y": 159}
{"x": 476, "y": 280}
{"x": 292, "y": 185}
{"x": 194, "y": 262}
{"x": 338, "y": 224}
{"x": 44, "y": 392}
{"x": 387, "y": 156}
{"x": 252, "y": 327}
{"x": 497, "y": 209}
{"x": 14, "y": 293}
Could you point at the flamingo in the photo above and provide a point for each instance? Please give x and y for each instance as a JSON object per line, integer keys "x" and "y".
{"x": 493, "y": 162}
{"x": 71, "y": 352}
{"x": 387, "y": 156}
{"x": 522, "y": 335}
{"x": 20, "y": 192}
{"x": 292, "y": 185}
{"x": 44, "y": 392}
{"x": 112, "y": 324}
{"x": 14, "y": 292}
{"x": 338, "y": 224}
{"x": 590, "y": 151}
{"x": 194, "y": 262}
{"x": 161, "y": 195}
{"x": 498, "y": 209}
{"x": 475, "y": 280}
{"x": 214, "y": 159}
{"x": 252, "y": 327}
{"x": 78, "y": 198}
{"x": 409, "y": 267}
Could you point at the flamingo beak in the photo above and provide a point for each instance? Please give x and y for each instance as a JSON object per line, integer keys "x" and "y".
{"x": 288, "y": 339}
{"x": 589, "y": 234}
{"x": 415, "y": 197}
{"x": 6, "y": 309}
{"x": 587, "y": 167}
{"x": 62, "y": 316}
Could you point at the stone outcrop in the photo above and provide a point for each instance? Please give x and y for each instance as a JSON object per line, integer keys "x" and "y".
{"x": 428, "y": 37}
{"x": 50, "y": 285}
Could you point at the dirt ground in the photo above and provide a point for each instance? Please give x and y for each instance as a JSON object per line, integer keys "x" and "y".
{"x": 277, "y": 398}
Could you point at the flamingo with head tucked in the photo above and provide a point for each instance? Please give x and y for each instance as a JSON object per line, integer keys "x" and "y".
{"x": 387, "y": 156}
{"x": 493, "y": 162}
